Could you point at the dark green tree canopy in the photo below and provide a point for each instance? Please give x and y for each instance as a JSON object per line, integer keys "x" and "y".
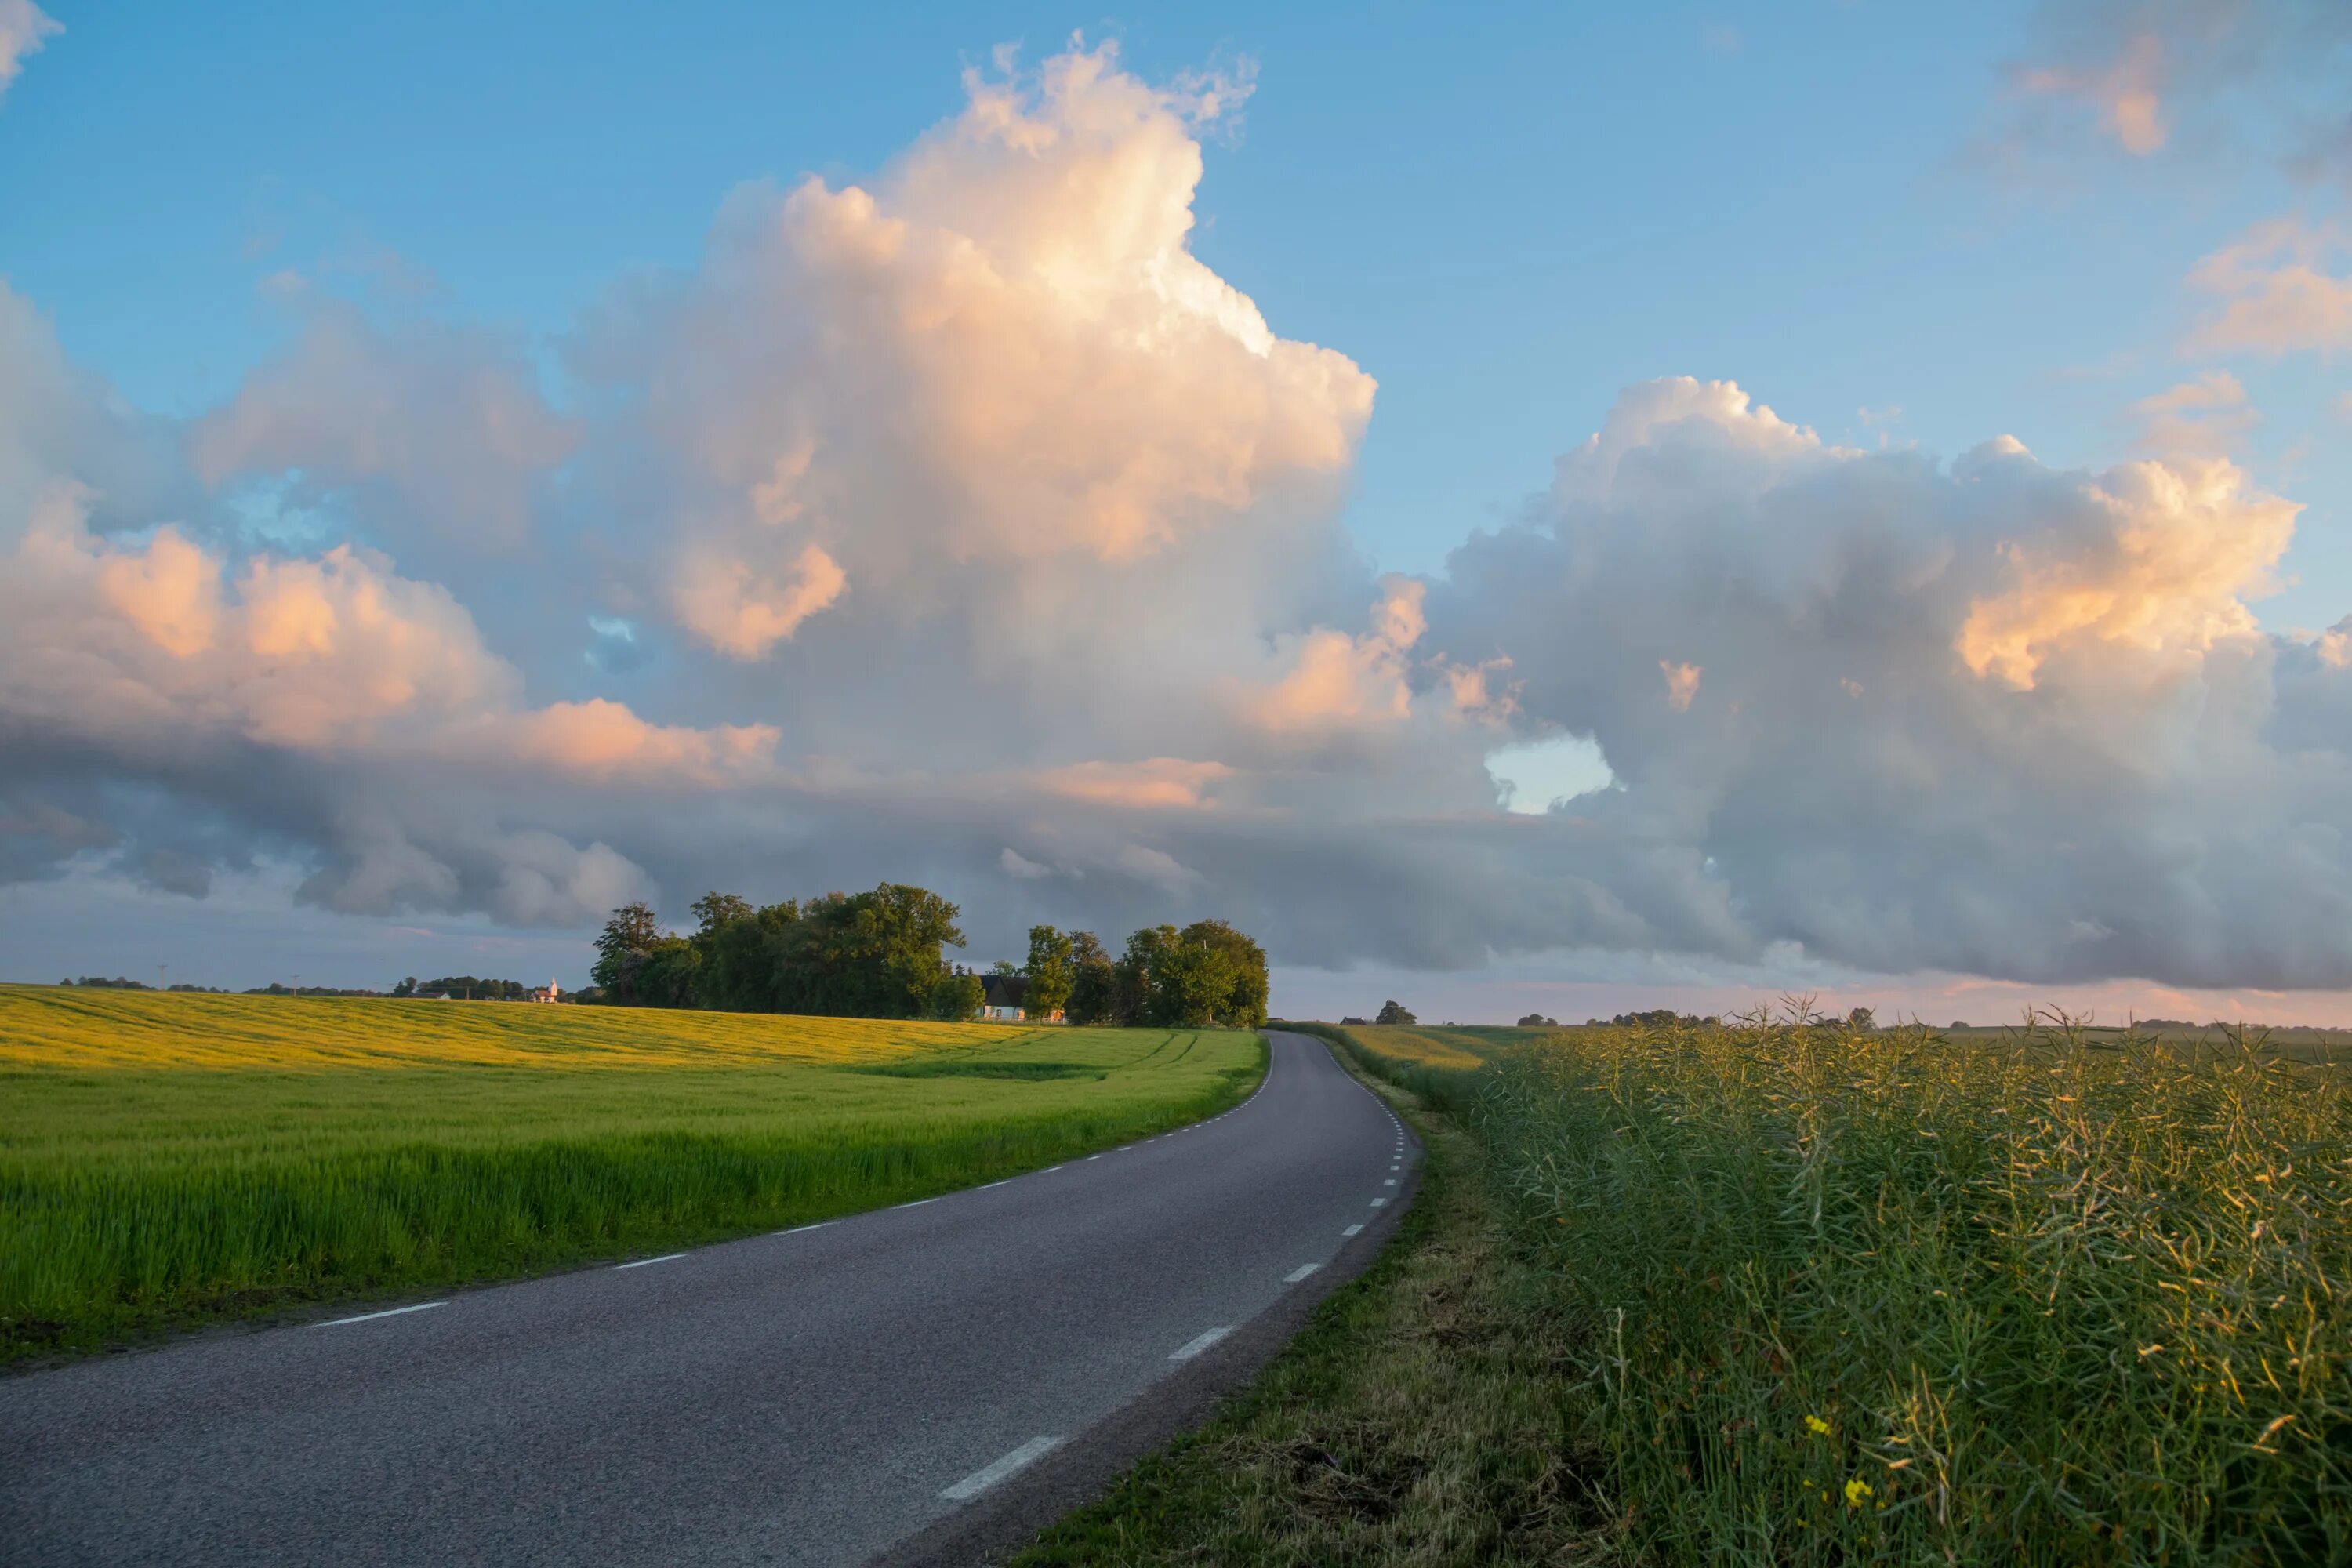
{"x": 878, "y": 954}
{"x": 1049, "y": 970}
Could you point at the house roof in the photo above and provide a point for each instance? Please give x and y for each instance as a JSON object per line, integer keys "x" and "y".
{"x": 1003, "y": 990}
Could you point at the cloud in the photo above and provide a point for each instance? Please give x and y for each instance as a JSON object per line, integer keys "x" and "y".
{"x": 2125, "y": 91}
{"x": 743, "y": 612}
{"x": 2166, "y": 568}
{"x": 1000, "y": 357}
{"x": 1992, "y": 718}
{"x": 326, "y": 699}
{"x": 2277, "y": 295}
{"x": 2205, "y": 418}
{"x": 24, "y": 28}
{"x": 1017, "y": 864}
{"x": 427, "y": 427}
{"x": 1154, "y": 783}
{"x": 2211, "y": 80}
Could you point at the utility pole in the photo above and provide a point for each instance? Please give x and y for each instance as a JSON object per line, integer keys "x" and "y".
{"x": 160, "y": 971}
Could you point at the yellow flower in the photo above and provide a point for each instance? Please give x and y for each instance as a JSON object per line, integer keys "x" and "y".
{"x": 1855, "y": 1490}
{"x": 1817, "y": 1427}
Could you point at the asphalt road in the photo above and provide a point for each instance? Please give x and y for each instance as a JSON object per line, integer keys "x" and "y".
{"x": 815, "y": 1397}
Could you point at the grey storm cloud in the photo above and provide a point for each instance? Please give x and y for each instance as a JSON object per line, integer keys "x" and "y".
{"x": 964, "y": 528}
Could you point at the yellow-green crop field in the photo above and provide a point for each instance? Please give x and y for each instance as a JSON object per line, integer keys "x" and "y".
{"x": 170, "y": 1157}
{"x": 1841, "y": 1296}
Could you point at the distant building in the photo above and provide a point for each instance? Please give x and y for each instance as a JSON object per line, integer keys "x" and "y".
{"x": 551, "y": 992}
{"x": 1003, "y": 999}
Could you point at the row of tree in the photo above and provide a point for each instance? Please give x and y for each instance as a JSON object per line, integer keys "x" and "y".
{"x": 878, "y": 955}
{"x": 1208, "y": 972}
{"x": 471, "y": 988}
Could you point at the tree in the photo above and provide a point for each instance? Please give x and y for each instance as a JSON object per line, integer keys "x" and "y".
{"x": 1394, "y": 1013}
{"x": 1537, "y": 1021}
{"x": 715, "y": 910}
{"x": 407, "y": 988}
{"x": 632, "y": 929}
{"x": 1241, "y": 1003}
{"x": 1131, "y": 985}
{"x": 1861, "y": 1020}
{"x": 1004, "y": 966}
{"x": 1093, "y": 982}
{"x": 956, "y": 997}
{"x": 1051, "y": 974}
{"x": 663, "y": 975}
{"x": 866, "y": 955}
{"x": 747, "y": 963}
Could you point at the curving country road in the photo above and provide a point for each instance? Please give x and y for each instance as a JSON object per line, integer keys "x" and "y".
{"x": 874, "y": 1385}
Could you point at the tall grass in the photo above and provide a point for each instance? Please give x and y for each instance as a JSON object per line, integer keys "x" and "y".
{"x": 1843, "y": 1296}
{"x": 186, "y": 1160}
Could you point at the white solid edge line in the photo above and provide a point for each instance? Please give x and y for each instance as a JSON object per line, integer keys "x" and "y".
{"x": 980, "y": 1480}
{"x": 1193, "y": 1347}
{"x": 642, "y": 1262}
{"x": 918, "y": 1202}
{"x": 1301, "y": 1272}
{"x": 798, "y": 1228}
{"x": 372, "y": 1317}
{"x": 1353, "y": 1230}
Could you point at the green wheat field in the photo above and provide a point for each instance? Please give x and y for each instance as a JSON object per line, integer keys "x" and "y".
{"x": 169, "y": 1159}
{"x": 1836, "y": 1296}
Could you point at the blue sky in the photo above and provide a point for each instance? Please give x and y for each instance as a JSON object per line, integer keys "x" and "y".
{"x": 1902, "y": 226}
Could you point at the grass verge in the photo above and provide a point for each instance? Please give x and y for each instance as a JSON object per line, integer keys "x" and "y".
{"x": 1417, "y": 1419}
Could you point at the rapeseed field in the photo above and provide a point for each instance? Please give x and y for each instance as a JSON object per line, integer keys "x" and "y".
{"x": 167, "y": 1159}
{"x": 1840, "y": 1295}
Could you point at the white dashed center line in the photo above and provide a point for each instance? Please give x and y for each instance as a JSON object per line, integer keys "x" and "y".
{"x": 1353, "y": 1230}
{"x": 372, "y": 1317}
{"x": 1378, "y": 1202}
{"x": 1193, "y": 1347}
{"x": 1301, "y": 1272}
{"x": 648, "y": 1262}
{"x": 980, "y": 1480}
{"x": 1390, "y": 1183}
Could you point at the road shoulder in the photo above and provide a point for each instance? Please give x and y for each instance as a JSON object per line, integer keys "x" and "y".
{"x": 1423, "y": 1416}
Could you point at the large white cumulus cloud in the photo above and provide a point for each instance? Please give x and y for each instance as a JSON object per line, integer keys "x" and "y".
{"x": 1002, "y": 355}
{"x": 1989, "y": 718}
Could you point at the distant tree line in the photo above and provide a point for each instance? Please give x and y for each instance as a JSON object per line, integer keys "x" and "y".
{"x": 276, "y": 989}
{"x": 878, "y": 954}
{"x": 465, "y": 986}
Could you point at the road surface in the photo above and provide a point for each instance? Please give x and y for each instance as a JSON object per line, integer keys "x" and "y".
{"x": 818, "y": 1395}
